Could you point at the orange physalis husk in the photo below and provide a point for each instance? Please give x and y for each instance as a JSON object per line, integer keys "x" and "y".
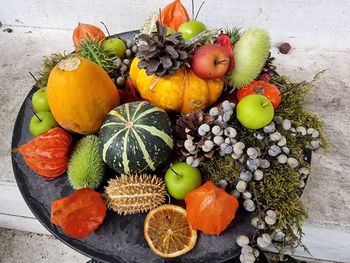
{"x": 260, "y": 87}
{"x": 48, "y": 153}
{"x": 80, "y": 213}
{"x": 210, "y": 209}
{"x": 84, "y": 31}
{"x": 174, "y": 15}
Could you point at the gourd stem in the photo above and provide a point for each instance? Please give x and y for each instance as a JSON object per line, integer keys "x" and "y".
{"x": 199, "y": 10}
{"x": 270, "y": 100}
{"x": 105, "y": 28}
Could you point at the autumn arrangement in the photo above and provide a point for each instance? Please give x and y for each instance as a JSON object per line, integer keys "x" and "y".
{"x": 180, "y": 113}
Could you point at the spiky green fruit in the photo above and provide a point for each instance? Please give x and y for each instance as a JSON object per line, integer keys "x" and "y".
{"x": 86, "y": 167}
{"x": 250, "y": 54}
{"x": 94, "y": 51}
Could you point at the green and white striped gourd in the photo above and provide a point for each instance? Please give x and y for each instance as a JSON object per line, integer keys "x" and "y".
{"x": 136, "y": 137}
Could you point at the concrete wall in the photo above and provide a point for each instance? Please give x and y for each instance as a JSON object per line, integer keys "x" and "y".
{"x": 307, "y": 23}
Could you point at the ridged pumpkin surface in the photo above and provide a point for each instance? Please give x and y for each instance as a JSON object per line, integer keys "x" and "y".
{"x": 182, "y": 91}
{"x": 80, "y": 95}
{"x": 136, "y": 137}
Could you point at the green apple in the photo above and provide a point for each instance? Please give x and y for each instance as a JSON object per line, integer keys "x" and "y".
{"x": 170, "y": 31}
{"x": 115, "y": 47}
{"x": 42, "y": 122}
{"x": 255, "y": 111}
{"x": 39, "y": 100}
{"x": 181, "y": 178}
{"x": 191, "y": 29}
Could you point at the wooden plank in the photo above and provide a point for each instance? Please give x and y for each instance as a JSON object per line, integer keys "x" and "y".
{"x": 11, "y": 200}
{"x": 21, "y": 223}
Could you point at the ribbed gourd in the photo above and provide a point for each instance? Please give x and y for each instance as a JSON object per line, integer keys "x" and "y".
{"x": 136, "y": 137}
{"x": 130, "y": 194}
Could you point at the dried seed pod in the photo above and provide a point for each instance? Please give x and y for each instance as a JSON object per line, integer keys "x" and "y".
{"x": 270, "y": 220}
{"x": 130, "y": 194}
{"x": 242, "y": 240}
{"x": 258, "y": 175}
{"x": 282, "y": 141}
{"x": 249, "y": 205}
{"x": 301, "y": 130}
{"x": 241, "y": 186}
{"x": 275, "y": 137}
{"x": 264, "y": 240}
{"x": 282, "y": 158}
{"x": 270, "y": 128}
{"x": 286, "y": 124}
{"x": 293, "y": 163}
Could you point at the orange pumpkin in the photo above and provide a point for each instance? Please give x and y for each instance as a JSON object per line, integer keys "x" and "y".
{"x": 84, "y": 31}
{"x": 182, "y": 91}
{"x": 80, "y": 94}
{"x": 210, "y": 209}
{"x": 174, "y": 15}
{"x": 48, "y": 153}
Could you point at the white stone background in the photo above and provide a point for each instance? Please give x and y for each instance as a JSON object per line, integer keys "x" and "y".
{"x": 319, "y": 32}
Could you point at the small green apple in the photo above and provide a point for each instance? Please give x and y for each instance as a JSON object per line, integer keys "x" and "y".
{"x": 115, "y": 47}
{"x": 191, "y": 29}
{"x": 42, "y": 122}
{"x": 181, "y": 178}
{"x": 170, "y": 31}
{"x": 255, "y": 111}
{"x": 39, "y": 100}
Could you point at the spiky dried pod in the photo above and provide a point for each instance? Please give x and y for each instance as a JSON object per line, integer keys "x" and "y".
{"x": 131, "y": 194}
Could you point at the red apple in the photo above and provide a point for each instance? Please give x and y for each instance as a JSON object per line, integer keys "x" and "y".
{"x": 210, "y": 61}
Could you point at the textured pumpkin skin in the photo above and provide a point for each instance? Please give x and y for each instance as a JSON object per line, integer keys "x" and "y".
{"x": 80, "y": 99}
{"x": 136, "y": 137}
{"x": 182, "y": 91}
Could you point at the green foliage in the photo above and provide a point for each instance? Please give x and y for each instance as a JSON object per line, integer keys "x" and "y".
{"x": 292, "y": 105}
{"x": 219, "y": 168}
{"x": 86, "y": 167}
{"x": 250, "y": 53}
{"x": 48, "y": 63}
{"x": 94, "y": 51}
{"x": 234, "y": 34}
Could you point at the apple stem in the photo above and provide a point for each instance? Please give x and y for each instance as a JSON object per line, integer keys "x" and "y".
{"x": 104, "y": 25}
{"x": 221, "y": 61}
{"x": 36, "y": 81}
{"x": 199, "y": 10}
{"x": 171, "y": 168}
{"x": 36, "y": 115}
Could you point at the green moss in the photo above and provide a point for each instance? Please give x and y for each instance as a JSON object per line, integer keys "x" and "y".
{"x": 219, "y": 168}
{"x": 292, "y": 106}
{"x": 48, "y": 63}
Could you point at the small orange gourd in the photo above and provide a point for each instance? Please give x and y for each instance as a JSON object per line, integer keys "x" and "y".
{"x": 182, "y": 91}
{"x": 80, "y": 94}
{"x": 84, "y": 31}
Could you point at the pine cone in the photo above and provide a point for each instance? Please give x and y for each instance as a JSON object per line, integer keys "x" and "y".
{"x": 187, "y": 129}
{"x": 269, "y": 67}
{"x": 162, "y": 54}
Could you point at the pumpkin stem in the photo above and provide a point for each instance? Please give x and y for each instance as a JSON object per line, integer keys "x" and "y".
{"x": 199, "y": 10}
{"x": 69, "y": 64}
{"x": 104, "y": 25}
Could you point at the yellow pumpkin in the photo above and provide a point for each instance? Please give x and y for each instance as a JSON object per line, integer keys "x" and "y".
{"x": 80, "y": 95}
{"x": 182, "y": 91}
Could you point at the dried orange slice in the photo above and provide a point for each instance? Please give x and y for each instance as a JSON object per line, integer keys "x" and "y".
{"x": 168, "y": 232}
